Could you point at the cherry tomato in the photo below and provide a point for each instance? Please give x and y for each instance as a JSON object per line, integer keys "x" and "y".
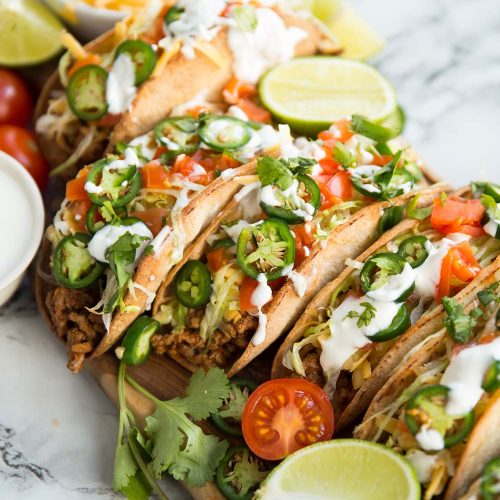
{"x": 283, "y": 415}
{"x": 15, "y": 100}
{"x": 21, "y": 144}
{"x": 154, "y": 218}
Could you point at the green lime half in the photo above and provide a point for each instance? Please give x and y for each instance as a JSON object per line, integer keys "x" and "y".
{"x": 310, "y": 93}
{"x": 343, "y": 469}
{"x": 29, "y": 33}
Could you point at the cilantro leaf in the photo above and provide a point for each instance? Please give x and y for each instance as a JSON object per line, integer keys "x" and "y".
{"x": 343, "y": 156}
{"x": 383, "y": 178}
{"x": 364, "y": 318}
{"x": 205, "y": 393}
{"x": 489, "y": 294}
{"x": 235, "y": 404}
{"x": 125, "y": 466}
{"x": 246, "y": 474}
{"x": 417, "y": 213}
{"x": 137, "y": 488}
{"x": 245, "y": 17}
{"x": 273, "y": 171}
{"x": 458, "y": 324}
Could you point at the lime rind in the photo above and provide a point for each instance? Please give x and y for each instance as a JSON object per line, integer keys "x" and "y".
{"x": 347, "y": 469}
{"x": 310, "y": 93}
{"x": 29, "y": 33}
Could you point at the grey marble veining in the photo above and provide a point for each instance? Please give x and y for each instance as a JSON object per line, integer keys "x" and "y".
{"x": 58, "y": 431}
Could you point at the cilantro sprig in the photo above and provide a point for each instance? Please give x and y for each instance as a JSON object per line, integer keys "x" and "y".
{"x": 171, "y": 441}
{"x": 281, "y": 172}
{"x": 458, "y": 323}
{"x": 365, "y": 317}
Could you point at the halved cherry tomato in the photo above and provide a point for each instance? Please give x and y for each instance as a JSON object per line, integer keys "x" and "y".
{"x": 154, "y": 176}
{"x": 21, "y": 145}
{"x": 153, "y": 218}
{"x": 75, "y": 188}
{"x": 90, "y": 59}
{"x": 254, "y": 112}
{"x": 216, "y": 259}
{"x": 458, "y": 263}
{"x": 458, "y": 215}
{"x": 236, "y": 89}
{"x": 16, "y": 104}
{"x": 338, "y": 132}
{"x": 304, "y": 238}
{"x": 284, "y": 415}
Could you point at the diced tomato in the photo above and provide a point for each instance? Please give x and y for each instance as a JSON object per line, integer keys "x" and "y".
{"x": 90, "y": 59}
{"x": 402, "y": 427}
{"x": 156, "y": 32}
{"x": 246, "y": 290}
{"x": 183, "y": 165}
{"x": 236, "y": 89}
{"x": 381, "y": 160}
{"x": 304, "y": 238}
{"x": 458, "y": 215}
{"x": 109, "y": 120}
{"x": 75, "y": 188}
{"x": 153, "y": 218}
{"x": 154, "y": 176}
{"x": 488, "y": 337}
{"x": 78, "y": 213}
{"x": 458, "y": 264}
{"x": 254, "y": 112}
{"x": 338, "y": 132}
{"x": 217, "y": 259}
{"x": 159, "y": 151}
{"x": 284, "y": 415}
{"x": 340, "y": 185}
{"x": 329, "y": 166}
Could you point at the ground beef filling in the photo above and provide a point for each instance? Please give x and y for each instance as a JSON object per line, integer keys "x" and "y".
{"x": 224, "y": 346}
{"x": 79, "y": 328}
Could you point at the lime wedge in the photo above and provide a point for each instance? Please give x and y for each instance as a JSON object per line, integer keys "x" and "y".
{"x": 312, "y": 92}
{"x": 343, "y": 469}
{"x": 29, "y": 33}
{"x": 322, "y": 9}
{"x": 355, "y": 35}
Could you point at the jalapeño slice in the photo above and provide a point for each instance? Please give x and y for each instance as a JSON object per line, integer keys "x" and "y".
{"x": 142, "y": 55}
{"x": 94, "y": 219}
{"x": 399, "y": 325}
{"x": 86, "y": 92}
{"x": 223, "y": 133}
{"x": 118, "y": 186}
{"x": 74, "y": 267}
{"x": 137, "y": 340}
{"x": 413, "y": 250}
{"x": 308, "y": 190}
{"x": 240, "y": 473}
{"x": 179, "y": 134}
{"x": 192, "y": 284}
{"x": 268, "y": 248}
{"x": 430, "y": 402}
{"x": 491, "y": 381}
{"x": 228, "y": 416}
{"x": 490, "y": 480}
{"x": 379, "y": 268}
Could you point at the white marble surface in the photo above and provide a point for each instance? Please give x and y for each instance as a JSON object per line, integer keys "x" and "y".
{"x": 57, "y": 431}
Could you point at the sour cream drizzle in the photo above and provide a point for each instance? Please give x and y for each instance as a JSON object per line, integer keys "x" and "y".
{"x": 120, "y": 86}
{"x": 260, "y": 297}
{"x": 395, "y": 286}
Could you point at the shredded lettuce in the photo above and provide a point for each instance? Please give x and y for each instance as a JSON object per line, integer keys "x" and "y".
{"x": 293, "y": 356}
{"x": 173, "y": 313}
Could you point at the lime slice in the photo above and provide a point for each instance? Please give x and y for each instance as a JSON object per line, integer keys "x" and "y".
{"x": 322, "y": 9}
{"x": 355, "y": 35}
{"x": 29, "y": 33}
{"x": 396, "y": 120}
{"x": 310, "y": 93}
{"x": 343, "y": 469}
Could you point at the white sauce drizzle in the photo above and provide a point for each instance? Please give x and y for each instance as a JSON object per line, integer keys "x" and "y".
{"x": 260, "y": 297}
{"x": 430, "y": 439}
{"x": 395, "y": 286}
{"x": 422, "y": 463}
{"x": 120, "y": 86}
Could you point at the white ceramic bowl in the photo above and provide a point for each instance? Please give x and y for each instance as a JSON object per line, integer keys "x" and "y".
{"x": 85, "y": 21}
{"x": 21, "y": 224}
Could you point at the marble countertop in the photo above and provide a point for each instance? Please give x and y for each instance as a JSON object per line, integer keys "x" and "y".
{"x": 58, "y": 431}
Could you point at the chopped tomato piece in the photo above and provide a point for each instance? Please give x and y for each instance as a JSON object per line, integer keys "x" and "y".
{"x": 109, "y": 120}
{"x": 217, "y": 259}
{"x": 284, "y": 415}
{"x": 338, "y": 132}
{"x": 78, "y": 212}
{"x": 340, "y": 185}
{"x": 90, "y": 59}
{"x": 154, "y": 176}
{"x": 488, "y": 337}
{"x": 75, "y": 188}
{"x": 329, "y": 166}
{"x": 459, "y": 264}
{"x": 154, "y": 218}
{"x": 381, "y": 160}
{"x": 246, "y": 290}
{"x": 304, "y": 238}
{"x": 254, "y": 112}
{"x": 458, "y": 215}
{"x": 236, "y": 89}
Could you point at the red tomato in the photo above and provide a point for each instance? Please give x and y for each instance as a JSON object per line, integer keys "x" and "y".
{"x": 152, "y": 217}
{"x": 75, "y": 188}
{"x": 458, "y": 215}
{"x": 247, "y": 288}
{"x": 154, "y": 176}
{"x": 283, "y": 415}
{"x": 338, "y": 132}
{"x": 216, "y": 259}
{"x": 340, "y": 185}
{"x": 236, "y": 89}
{"x": 15, "y": 100}
{"x": 254, "y": 112}
{"x": 21, "y": 144}
{"x": 304, "y": 238}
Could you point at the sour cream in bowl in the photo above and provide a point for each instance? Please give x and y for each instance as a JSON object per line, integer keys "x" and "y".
{"x": 21, "y": 224}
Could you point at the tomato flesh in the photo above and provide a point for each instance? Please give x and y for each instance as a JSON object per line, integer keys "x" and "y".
{"x": 284, "y": 415}
{"x": 458, "y": 215}
{"x": 15, "y": 100}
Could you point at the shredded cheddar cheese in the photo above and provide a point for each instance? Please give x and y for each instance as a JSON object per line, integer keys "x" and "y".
{"x": 76, "y": 49}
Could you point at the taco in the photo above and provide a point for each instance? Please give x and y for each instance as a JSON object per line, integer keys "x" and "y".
{"x": 487, "y": 485}
{"x": 120, "y": 85}
{"x": 284, "y": 236}
{"x": 441, "y": 407}
{"x": 152, "y": 197}
{"x": 357, "y": 330}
